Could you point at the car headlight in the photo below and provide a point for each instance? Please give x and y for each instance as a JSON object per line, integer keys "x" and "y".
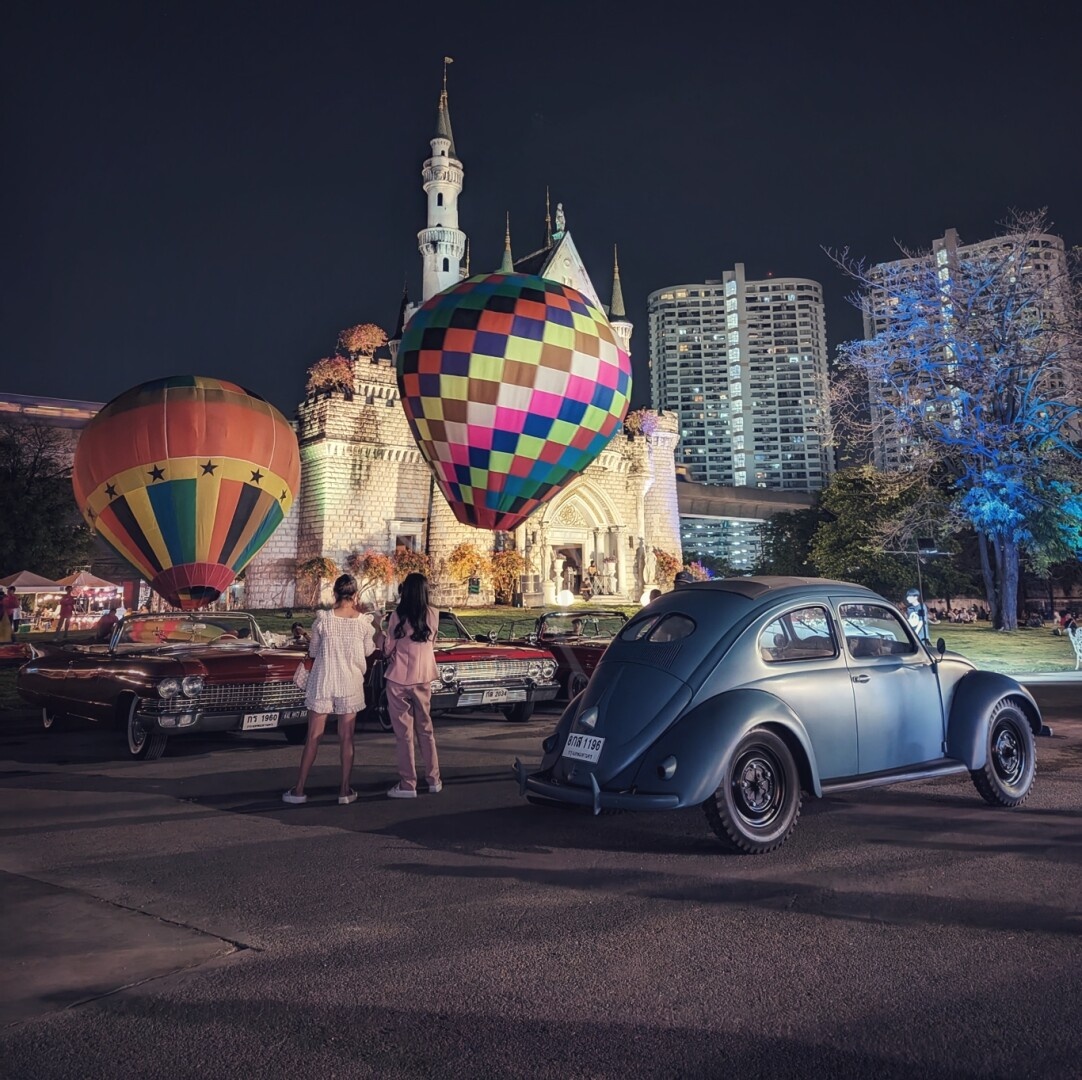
{"x": 192, "y": 685}
{"x": 447, "y": 672}
{"x": 534, "y": 669}
{"x": 168, "y": 688}
{"x": 548, "y": 668}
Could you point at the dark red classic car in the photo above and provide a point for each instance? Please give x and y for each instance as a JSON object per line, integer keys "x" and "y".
{"x": 575, "y": 638}
{"x": 478, "y": 673}
{"x": 165, "y": 675}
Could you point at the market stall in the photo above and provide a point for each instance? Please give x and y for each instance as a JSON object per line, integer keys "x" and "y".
{"x": 40, "y": 590}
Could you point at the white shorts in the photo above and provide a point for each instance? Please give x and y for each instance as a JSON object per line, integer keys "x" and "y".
{"x": 337, "y": 706}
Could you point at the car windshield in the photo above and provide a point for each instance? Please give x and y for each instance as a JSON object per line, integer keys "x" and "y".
{"x": 451, "y": 629}
{"x": 198, "y": 628}
{"x": 604, "y": 627}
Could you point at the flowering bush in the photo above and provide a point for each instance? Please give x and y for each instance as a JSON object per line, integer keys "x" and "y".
{"x": 640, "y": 422}
{"x": 507, "y": 565}
{"x": 466, "y": 561}
{"x": 411, "y": 562}
{"x": 334, "y": 373}
{"x": 667, "y": 565}
{"x": 698, "y": 571}
{"x": 362, "y": 340}
{"x": 370, "y": 568}
{"x": 318, "y": 569}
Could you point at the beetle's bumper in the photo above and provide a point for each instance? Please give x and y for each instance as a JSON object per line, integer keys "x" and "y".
{"x": 545, "y": 787}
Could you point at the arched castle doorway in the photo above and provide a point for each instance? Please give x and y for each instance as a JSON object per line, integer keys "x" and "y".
{"x": 579, "y": 528}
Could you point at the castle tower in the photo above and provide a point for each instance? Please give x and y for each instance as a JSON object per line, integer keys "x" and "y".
{"x": 618, "y": 320}
{"x": 442, "y": 244}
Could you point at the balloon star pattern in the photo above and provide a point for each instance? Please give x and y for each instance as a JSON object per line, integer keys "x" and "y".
{"x": 186, "y": 478}
{"x": 512, "y": 385}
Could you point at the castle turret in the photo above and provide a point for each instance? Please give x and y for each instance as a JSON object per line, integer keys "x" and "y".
{"x": 508, "y": 264}
{"x": 618, "y": 319}
{"x": 442, "y": 244}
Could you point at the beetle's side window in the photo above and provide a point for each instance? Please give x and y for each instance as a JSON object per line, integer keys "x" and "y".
{"x": 873, "y": 630}
{"x": 672, "y": 628}
{"x": 803, "y": 634}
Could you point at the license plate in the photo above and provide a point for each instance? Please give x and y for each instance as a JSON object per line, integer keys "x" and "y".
{"x": 254, "y": 720}
{"x": 584, "y": 747}
{"x": 498, "y": 694}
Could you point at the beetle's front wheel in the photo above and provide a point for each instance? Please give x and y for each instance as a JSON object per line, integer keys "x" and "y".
{"x": 1011, "y": 761}
{"x": 757, "y": 804}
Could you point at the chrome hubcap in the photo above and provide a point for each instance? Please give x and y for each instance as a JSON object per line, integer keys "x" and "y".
{"x": 137, "y": 735}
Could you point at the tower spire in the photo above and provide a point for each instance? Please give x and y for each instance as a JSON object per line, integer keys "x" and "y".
{"x": 508, "y": 264}
{"x": 443, "y": 122}
{"x": 616, "y": 309}
{"x": 442, "y": 243}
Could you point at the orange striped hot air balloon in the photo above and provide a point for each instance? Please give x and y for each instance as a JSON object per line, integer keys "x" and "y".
{"x": 187, "y": 477}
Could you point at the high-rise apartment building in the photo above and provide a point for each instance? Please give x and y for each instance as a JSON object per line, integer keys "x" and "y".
{"x": 1044, "y": 256}
{"x": 743, "y": 364}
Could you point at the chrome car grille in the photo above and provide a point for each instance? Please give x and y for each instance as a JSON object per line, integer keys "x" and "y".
{"x": 492, "y": 669}
{"x": 249, "y": 697}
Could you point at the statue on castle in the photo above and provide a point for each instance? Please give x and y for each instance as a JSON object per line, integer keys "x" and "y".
{"x": 561, "y": 220}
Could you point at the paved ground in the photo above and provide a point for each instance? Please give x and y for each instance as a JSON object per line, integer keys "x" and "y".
{"x": 174, "y": 919}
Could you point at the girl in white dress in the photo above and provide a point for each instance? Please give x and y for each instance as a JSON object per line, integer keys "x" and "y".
{"x": 341, "y": 640}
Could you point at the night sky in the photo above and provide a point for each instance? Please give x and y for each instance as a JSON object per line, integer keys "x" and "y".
{"x": 219, "y": 189}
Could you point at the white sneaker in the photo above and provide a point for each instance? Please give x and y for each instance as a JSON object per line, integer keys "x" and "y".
{"x": 296, "y": 800}
{"x": 435, "y": 789}
{"x": 399, "y": 792}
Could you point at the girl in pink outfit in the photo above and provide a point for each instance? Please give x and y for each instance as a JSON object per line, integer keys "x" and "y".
{"x": 408, "y": 647}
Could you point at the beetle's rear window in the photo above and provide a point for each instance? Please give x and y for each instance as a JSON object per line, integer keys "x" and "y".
{"x": 655, "y": 628}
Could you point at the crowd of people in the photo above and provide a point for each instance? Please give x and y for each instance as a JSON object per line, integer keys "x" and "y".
{"x": 971, "y": 614}
{"x": 341, "y": 644}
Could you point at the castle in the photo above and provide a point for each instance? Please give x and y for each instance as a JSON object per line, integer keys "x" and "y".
{"x": 364, "y": 484}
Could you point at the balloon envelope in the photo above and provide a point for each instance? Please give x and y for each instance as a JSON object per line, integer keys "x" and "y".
{"x": 512, "y": 385}
{"x": 187, "y": 477}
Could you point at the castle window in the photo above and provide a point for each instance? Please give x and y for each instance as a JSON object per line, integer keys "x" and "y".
{"x": 446, "y": 265}
{"x": 439, "y": 198}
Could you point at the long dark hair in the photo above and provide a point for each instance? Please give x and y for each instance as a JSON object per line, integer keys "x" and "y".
{"x": 413, "y": 608}
{"x": 345, "y": 587}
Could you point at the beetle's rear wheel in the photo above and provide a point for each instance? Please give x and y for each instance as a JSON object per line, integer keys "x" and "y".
{"x": 757, "y": 804}
{"x": 1011, "y": 763}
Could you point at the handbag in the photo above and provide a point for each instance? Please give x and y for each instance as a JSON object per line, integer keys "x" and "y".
{"x": 300, "y": 676}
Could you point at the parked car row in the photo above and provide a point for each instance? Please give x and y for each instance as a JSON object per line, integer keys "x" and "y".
{"x": 741, "y": 696}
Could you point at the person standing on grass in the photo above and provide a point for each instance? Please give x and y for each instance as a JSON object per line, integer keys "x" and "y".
{"x": 340, "y": 642}
{"x": 410, "y": 666}
{"x": 13, "y": 608}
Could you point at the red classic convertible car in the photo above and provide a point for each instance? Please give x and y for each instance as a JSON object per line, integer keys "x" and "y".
{"x": 478, "y": 673}
{"x": 577, "y": 640}
{"x": 164, "y": 675}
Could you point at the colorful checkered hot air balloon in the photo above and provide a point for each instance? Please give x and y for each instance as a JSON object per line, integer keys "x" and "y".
{"x": 512, "y": 385}
{"x": 187, "y": 477}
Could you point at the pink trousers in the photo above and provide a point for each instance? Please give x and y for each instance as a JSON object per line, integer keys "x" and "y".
{"x": 409, "y": 706}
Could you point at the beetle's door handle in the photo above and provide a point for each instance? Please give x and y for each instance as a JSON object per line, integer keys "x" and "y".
{"x": 862, "y": 678}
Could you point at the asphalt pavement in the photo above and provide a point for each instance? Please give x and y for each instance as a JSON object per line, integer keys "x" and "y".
{"x": 175, "y": 919}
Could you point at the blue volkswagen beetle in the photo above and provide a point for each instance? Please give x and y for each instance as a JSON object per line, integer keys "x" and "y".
{"x": 741, "y": 694}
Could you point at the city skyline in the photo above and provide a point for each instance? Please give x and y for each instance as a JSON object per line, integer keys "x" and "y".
{"x": 222, "y": 197}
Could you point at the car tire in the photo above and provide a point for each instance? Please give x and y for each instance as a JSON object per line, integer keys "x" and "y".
{"x": 520, "y": 713}
{"x": 1011, "y": 761}
{"x": 296, "y": 734}
{"x": 143, "y": 745}
{"x": 576, "y": 684}
{"x": 757, "y": 804}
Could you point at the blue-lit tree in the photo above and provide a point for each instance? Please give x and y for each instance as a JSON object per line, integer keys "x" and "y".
{"x": 971, "y": 371}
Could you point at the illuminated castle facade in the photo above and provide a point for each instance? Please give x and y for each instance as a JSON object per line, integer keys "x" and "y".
{"x": 364, "y": 484}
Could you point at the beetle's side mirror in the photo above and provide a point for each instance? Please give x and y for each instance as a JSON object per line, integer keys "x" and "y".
{"x": 941, "y": 647}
